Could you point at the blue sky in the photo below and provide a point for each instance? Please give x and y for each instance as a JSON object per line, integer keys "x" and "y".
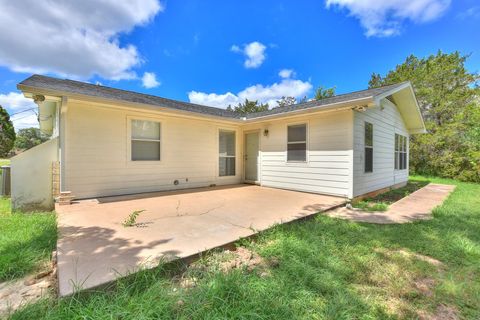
{"x": 220, "y": 52}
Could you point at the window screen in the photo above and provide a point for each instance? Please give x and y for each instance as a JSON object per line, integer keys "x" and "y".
{"x": 297, "y": 143}
{"x": 400, "y": 152}
{"x": 145, "y": 140}
{"x": 226, "y": 160}
{"x": 368, "y": 147}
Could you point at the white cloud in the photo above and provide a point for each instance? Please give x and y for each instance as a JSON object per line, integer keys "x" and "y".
{"x": 77, "y": 39}
{"x": 25, "y": 120}
{"x": 264, "y": 94}
{"x": 149, "y": 80}
{"x": 254, "y": 53}
{"x": 385, "y": 18}
{"x": 15, "y": 102}
{"x": 286, "y": 73}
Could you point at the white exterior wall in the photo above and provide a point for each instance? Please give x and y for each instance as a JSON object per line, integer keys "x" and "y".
{"x": 31, "y": 174}
{"x": 328, "y": 169}
{"x": 97, "y": 153}
{"x": 386, "y": 122}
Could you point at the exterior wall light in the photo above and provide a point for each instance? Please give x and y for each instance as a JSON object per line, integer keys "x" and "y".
{"x": 265, "y": 132}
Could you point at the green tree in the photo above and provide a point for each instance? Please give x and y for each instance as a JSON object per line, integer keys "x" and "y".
{"x": 448, "y": 95}
{"x": 286, "y": 101}
{"x": 29, "y": 138}
{"x": 249, "y": 106}
{"x": 7, "y": 133}
{"x": 322, "y": 93}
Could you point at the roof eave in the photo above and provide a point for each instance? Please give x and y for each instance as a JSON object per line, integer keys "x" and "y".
{"x": 405, "y": 86}
{"x": 326, "y": 107}
{"x": 151, "y": 107}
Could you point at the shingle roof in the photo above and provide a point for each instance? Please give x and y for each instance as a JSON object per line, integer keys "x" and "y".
{"x": 327, "y": 101}
{"x": 87, "y": 89}
{"x": 93, "y": 90}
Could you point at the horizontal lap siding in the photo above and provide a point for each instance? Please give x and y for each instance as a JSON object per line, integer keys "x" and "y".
{"x": 329, "y": 154}
{"x": 386, "y": 123}
{"x": 97, "y": 160}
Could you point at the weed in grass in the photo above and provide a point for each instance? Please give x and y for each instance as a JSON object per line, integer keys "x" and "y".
{"x": 131, "y": 220}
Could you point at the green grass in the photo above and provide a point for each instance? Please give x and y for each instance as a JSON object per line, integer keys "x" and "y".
{"x": 328, "y": 269}
{"x": 4, "y": 162}
{"x": 26, "y": 241}
{"x": 382, "y": 201}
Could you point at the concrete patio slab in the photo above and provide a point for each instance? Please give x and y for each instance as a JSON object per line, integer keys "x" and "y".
{"x": 416, "y": 206}
{"x": 94, "y": 248}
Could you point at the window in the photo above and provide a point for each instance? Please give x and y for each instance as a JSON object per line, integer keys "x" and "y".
{"x": 368, "y": 147}
{"x": 145, "y": 138}
{"x": 297, "y": 143}
{"x": 226, "y": 160}
{"x": 400, "y": 152}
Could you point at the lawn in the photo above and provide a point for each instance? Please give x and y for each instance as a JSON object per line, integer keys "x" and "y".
{"x": 26, "y": 241}
{"x": 327, "y": 269}
{"x": 4, "y": 162}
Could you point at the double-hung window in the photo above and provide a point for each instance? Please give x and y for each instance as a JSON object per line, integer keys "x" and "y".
{"x": 297, "y": 143}
{"x": 226, "y": 153}
{"x": 400, "y": 152}
{"x": 368, "y": 147}
{"x": 145, "y": 140}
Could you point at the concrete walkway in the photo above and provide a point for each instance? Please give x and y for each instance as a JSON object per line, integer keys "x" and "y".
{"x": 416, "y": 206}
{"x": 94, "y": 248}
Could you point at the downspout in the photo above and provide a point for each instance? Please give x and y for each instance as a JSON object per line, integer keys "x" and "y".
{"x": 62, "y": 124}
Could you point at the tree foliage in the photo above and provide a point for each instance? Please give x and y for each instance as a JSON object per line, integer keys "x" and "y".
{"x": 7, "y": 133}
{"x": 286, "y": 101}
{"x": 448, "y": 95}
{"x": 29, "y": 138}
{"x": 322, "y": 93}
{"x": 249, "y": 106}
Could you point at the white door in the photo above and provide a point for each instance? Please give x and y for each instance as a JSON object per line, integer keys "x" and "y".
{"x": 251, "y": 156}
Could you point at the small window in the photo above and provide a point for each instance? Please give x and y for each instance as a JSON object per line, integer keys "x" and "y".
{"x": 400, "y": 152}
{"x": 297, "y": 143}
{"x": 145, "y": 139}
{"x": 226, "y": 160}
{"x": 368, "y": 147}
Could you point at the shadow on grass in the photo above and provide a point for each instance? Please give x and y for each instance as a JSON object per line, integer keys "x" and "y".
{"x": 26, "y": 243}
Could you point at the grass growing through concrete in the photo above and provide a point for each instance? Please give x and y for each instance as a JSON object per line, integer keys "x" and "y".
{"x": 327, "y": 269}
{"x": 26, "y": 241}
{"x": 382, "y": 201}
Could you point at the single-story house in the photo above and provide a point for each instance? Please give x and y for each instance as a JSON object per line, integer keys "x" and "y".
{"x": 106, "y": 142}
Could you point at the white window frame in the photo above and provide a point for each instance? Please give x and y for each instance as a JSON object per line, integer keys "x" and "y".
{"x": 227, "y": 156}
{"x": 304, "y": 123}
{"x": 129, "y": 141}
{"x": 403, "y": 149}
{"x": 365, "y": 146}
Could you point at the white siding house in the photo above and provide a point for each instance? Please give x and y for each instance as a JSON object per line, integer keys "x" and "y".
{"x": 386, "y": 121}
{"x": 114, "y": 142}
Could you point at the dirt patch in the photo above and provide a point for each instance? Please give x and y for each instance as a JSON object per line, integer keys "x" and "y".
{"x": 443, "y": 312}
{"x": 226, "y": 261}
{"x": 17, "y": 293}
{"x": 425, "y": 286}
